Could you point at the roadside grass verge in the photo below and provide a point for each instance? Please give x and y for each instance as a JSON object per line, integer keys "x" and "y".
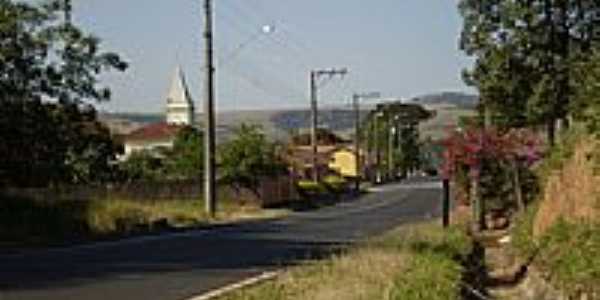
{"x": 29, "y": 223}
{"x": 567, "y": 254}
{"x": 411, "y": 263}
{"x": 560, "y": 231}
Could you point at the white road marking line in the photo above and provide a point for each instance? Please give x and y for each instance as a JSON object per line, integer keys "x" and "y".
{"x": 237, "y": 286}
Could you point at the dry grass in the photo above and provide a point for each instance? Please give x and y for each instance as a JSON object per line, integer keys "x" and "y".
{"x": 572, "y": 192}
{"x": 108, "y": 216}
{"x": 31, "y": 223}
{"x": 561, "y": 230}
{"x": 413, "y": 263}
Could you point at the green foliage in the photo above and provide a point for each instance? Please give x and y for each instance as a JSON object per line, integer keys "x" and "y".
{"x": 48, "y": 71}
{"x": 560, "y": 153}
{"x": 408, "y": 156}
{"x": 522, "y": 232}
{"x": 527, "y": 53}
{"x": 324, "y": 137}
{"x": 402, "y": 121}
{"x": 335, "y": 184}
{"x": 569, "y": 253}
{"x": 54, "y": 144}
{"x": 248, "y": 157}
{"x": 143, "y": 166}
{"x": 186, "y": 160}
{"x": 42, "y": 57}
{"x": 586, "y": 103}
{"x": 310, "y": 188}
{"x": 431, "y": 276}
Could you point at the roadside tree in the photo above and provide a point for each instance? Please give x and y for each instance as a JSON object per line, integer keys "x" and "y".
{"x": 248, "y": 157}
{"x": 48, "y": 79}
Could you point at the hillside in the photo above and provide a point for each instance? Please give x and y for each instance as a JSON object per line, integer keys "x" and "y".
{"x": 278, "y": 124}
{"x": 461, "y": 100}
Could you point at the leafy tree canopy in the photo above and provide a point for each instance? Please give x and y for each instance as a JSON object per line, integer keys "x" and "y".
{"x": 49, "y": 72}
{"x": 248, "y": 157}
{"x": 324, "y": 137}
{"x": 525, "y": 53}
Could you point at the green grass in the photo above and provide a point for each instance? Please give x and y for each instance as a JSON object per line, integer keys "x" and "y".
{"x": 522, "y": 233}
{"x": 568, "y": 253}
{"x": 414, "y": 263}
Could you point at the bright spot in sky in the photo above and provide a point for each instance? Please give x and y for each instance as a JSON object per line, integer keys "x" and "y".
{"x": 268, "y": 29}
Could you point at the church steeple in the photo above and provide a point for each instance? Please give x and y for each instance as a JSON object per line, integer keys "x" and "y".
{"x": 180, "y": 106}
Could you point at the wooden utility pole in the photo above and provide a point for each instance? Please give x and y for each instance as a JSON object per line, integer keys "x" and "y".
{"x": 377, "y": 141}
{"x": 313, "y": 124}
{"x": 357, "y": 163}
{"x": 209, "y": 115}
{"x": 357, "y": 139}
{"x": 391, "y": 132}
{"x": 314, "y": 77}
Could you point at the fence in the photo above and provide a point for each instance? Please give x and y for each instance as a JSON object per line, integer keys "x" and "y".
{"x": 271, "y": 192}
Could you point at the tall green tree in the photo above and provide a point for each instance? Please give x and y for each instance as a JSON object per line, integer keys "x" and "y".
{"x": 525, "y": 52}
{"x": 402, "y": 120}
{"x": 49, "y": 72}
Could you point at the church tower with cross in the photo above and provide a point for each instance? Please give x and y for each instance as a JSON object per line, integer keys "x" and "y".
{"x": 180, "y": 106}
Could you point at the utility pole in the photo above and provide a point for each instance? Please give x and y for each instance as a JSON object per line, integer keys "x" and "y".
{"x": 391, "y": 132}
{"x": 377, "y": 148}
{"x": 209, "y": 115}
{"x": 314, "y": 77}
{"x": 357, "y": 139}
{"x": 357, "y": 164}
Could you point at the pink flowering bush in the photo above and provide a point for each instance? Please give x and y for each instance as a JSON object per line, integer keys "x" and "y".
{"x": 498, "y": 160}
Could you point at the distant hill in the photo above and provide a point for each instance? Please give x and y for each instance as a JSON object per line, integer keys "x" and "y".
{"x": 278, "y": 124}
{"x": 457, "y": 99}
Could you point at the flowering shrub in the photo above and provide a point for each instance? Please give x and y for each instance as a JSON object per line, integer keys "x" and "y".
{"x": 492, "y": 158}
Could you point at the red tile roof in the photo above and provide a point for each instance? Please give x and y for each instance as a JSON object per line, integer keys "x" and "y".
{"x": 154, "y": 132}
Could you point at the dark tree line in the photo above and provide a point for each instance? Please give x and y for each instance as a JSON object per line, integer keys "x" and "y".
{"x": 49, "y": 72}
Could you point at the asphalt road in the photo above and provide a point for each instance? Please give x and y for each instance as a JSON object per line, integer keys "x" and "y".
{"x": 179, "y": 266}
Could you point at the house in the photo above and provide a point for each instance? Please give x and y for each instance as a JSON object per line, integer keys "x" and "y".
{"x": 151, "y": 138}
{"x": 343, "y": 161}
{"x": 161, "y": 135}
{"x": 300, "y": 159}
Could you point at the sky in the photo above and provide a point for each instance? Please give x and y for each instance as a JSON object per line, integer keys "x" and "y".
{"x": 400, "y": 48}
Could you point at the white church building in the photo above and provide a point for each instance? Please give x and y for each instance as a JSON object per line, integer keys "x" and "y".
{"x": 180, "y": 112}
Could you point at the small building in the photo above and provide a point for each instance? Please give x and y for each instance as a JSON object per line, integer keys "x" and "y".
{"x": 300, "y": 159}
{"x": 151, "y": 138}
{"x": 343, "y": 162}
{"x": 179, "y": 114}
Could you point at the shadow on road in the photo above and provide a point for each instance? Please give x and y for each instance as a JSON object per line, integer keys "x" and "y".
{"x": 236, "y": 251}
